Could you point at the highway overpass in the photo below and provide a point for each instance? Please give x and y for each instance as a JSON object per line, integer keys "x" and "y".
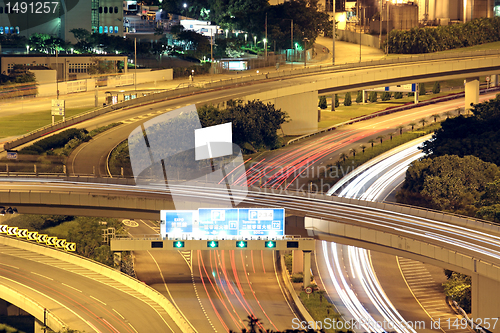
{"x": 465, "y": 245}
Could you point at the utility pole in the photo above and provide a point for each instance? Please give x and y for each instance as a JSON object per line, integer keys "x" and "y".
{"x": 265, "y": 41}
{"x": 211, "y": 52}
{"x": 291, "y": 41}
{"x": 135, "y": 63}
{"x": 333, "y": 37}
{"x": 380, "y": 18}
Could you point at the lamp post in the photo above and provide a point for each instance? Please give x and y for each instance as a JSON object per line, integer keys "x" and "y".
{"x": 305, "y": 51}
{"x": 380, "y": 19}
{"x": 333, "y": 36}
{"x": 387, "y": 28}
{"x": 265, "y": 48}
{"x": 246, "y": 35}
{"x": 254, "y": 41}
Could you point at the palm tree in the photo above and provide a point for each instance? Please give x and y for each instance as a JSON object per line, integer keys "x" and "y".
{"x": 353, "y": 152}
{"x": 435, "y": 116}
{"x": 459, "y": 110}
{"x": 412, "y": 124}
{"x": 447, "y": 114}
{"x": 381, "y": 137}
{"x": 391, "y": 135}
{"x": 343, "y": 156}
{"x": 400, "y": 128}
{"x": 363, "y": 147}
{"x": 423, "y": 121}
{"x": 372, "y": 142}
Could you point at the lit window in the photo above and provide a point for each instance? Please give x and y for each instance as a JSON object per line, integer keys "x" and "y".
{"x": 6, "y": 30}
{"x": 17, "y": 30}
{"x": 110, "y": 29}
{"x": 11, "y": 30}
{"x": 100, "y": 29}
{"x": 105, "y": 29}
{"x": 116, "y": 29}
{"x": 1, "y": 30}
{"x": 111, "y": 10}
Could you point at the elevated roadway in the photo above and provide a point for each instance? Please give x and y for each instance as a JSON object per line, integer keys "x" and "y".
{"x": 79, "y": 294}
{"x": 464, "y": 245}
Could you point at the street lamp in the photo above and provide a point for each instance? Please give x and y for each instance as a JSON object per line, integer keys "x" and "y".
{"x": 265, "y": 48}
{"x": 246, "y": 35}
{"x": 27, "y": 49}
{"x": 227, "y": 31}
{"x": 305, "y": 51}
{"x": 254, "y": 41}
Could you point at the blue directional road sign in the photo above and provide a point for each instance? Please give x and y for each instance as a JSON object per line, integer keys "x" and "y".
{"x": 177, "y": 221}
{"x": 261, "y": 222}
{"x": 11, "y": 155}
{"x": 220, "y": 222}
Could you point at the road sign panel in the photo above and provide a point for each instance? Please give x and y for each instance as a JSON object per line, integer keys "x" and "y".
{"x": 241, "y": 244}
{"x": 261, "y": 222}
{"x": 70, "y": 247}
{"x": 4, "y": 229}
{"x": 58, "y": 107}
{"x": 11, "y": 155}
{"x": 213, "y": 244}
{"x": 42, "y": 238}
{"x": 308, "y": 290}
{"x": 177, "y": 221}
{"x": 220, "y": 222}
{"x": 12, "y": 231}
{"x": 32, "y": 235}
{"x": 22, "y": 233}
{"x": 178, "y": 244}
{"x": 51, "y": 241}
{"x": 60, "y": 243}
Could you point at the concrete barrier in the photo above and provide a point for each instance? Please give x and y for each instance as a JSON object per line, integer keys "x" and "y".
{"x": 33, "y": 308}
{"x": 130, "y": 282}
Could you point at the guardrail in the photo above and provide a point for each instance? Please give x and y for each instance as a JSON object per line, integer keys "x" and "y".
{"x": 191, "y": 89}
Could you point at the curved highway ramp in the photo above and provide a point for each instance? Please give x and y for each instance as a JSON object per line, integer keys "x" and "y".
{"x": 81, "y": 294}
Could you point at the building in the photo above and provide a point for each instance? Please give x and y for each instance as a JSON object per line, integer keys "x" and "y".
{"x": 59, "y": 18}
{"x": 69, "y": 67}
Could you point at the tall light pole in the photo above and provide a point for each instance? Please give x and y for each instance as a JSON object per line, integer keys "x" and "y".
{"x": 57, "y": 75}
{"x": 387, "y": 28}
{"x": 265, "y": 41}
{"x": 333, "y": 36}
{"x": 380, "y": 18}
{"x": 291, "y": 41}
{"x": 135, "y": 63}
{"x": 305, "y": 51}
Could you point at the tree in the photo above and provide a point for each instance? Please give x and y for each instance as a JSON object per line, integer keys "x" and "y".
{"x": 373, "y": 97}
{"x": 381, "y": 137}
{"x": 458, "y": 287}
{"x": 423, "y": 121}
{"x": 386, "y": 95}
{"x": 477, "y": 135}
{"x": 398, "y": 95}
{"x": 336, "y": 101}
{"x": 391, "y": 135}
{"x": 412, "y": 124}
{"x": 322, "y": 102}
{"x": 450, "y": 183}
{"x": 436, "y": 89}
{"x": 359, "y": 98}
{"x": 347, "y": 99}
{"x": 400, "y": 129}
{"x": 447, "y": 114}
{"x": 363, "y": 147}
{"x": 372, "y": 142}
{"x": 353, "y": 152}
{"x": 435, "y": 116}
{"x": 421, "y": 89}
{"x": 343, "y": 156}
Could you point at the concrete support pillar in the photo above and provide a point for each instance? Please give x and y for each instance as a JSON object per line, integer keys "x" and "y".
{"x": 445, "y": 12}
{"x": 333, "y": 102}
{"x": 416, "y": 96}
{"x": 494, "y": 80}
{"x": 485, "y": 300}
{"x": 363, "y": 94}
{"x": 471, "y": 92}
{"x": 297, "y": 261}
{"x": 38, "y": 326}
{"x": 307, "y": 269}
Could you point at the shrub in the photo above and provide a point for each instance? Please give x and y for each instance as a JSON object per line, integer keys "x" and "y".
{"x": 56, "y": 141}
{"x": 347, "y": 99}
{"x": 386, "y": 95}
{"x": 336, "y": 101}
{"x": 398, "y": 95}
{"x": 359, "y": 98}
{"x": 421, "y": 89}
{"x": 436, "y": 89}
{"x": 322, "y": 102}
{"x": 297, "y": 278}
{"x": 373, "y": 97}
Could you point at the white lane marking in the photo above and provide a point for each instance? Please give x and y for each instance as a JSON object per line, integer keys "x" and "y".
{"x": 42, "y": 276}
{"x": 97, "y": 299}
{"x": 67, "y": 285}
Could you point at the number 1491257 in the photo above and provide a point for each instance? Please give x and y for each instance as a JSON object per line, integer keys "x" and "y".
{"x": 35, "y": 7}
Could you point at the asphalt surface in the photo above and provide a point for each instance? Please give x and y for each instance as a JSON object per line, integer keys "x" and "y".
{"x": 81, "y": 298}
